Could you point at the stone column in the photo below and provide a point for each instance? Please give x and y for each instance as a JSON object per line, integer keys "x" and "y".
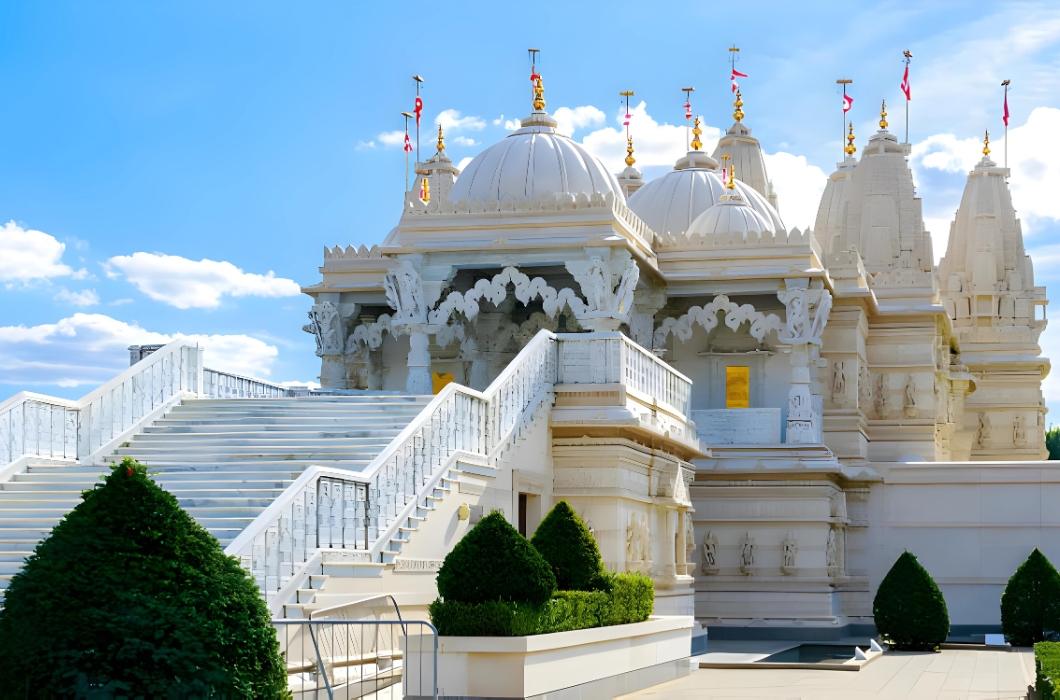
{"x": 419, "y": 381}
{"x": 801, "y": 419}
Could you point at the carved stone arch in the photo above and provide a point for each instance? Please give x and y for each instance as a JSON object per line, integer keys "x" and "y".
{"x": 707, "y": 316}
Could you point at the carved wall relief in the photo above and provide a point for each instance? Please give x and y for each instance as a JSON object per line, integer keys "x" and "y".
{"x": 747, "y": 553}
{"x": 879, "y": 396}
{"x": 982, "y": 432}
{"x": 909, "y": 397}
{"x": 638, "y": 543}
{"x": 1019, "y": 431}
{"x": 839, "y": 382}
{"x": 404, "y": 293}
{"x": 790, "y": 549}
{"x": 710, "y": 553}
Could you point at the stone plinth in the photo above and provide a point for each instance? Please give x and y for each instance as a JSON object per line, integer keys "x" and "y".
{"x": 738, "y": 426}
{"x": 615, "y": 660}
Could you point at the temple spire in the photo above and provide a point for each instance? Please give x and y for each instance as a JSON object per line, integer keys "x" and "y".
{"x": 883, "y": 115}
{"x": 738, "y": 104}
{"x": 696, "y": 133}
{"x": 441, "y": 141}
{"x": 850, "y": 147}
{"x": 986, "y": 143}
{"x": 630, "y": 160}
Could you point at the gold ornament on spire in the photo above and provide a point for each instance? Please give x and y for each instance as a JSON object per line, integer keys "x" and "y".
{"x": 630, "y": 160}
{"x": 738, "y": 104}
{"x": 696, "y": 133}
{"x": 883, "y": 115}
{"x": 850, "y": 147}
{"x": 731, "y": 184}
{"x": 441, "y": 141}
{"x": 986, "y": 144}
{"x": 539, "y": 95}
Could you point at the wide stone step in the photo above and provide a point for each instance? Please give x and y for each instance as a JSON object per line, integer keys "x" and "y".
{"x": 269, "y": 441}
{"x": 259, "y": 428}
{"x": 310, "y": 400}
{"x": 251, "y": 454}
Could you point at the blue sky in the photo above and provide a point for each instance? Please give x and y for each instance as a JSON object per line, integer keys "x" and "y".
{"x": 138, "y": 140}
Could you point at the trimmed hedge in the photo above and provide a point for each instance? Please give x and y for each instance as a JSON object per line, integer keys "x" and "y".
{"x": 1047, "y": 663}
{"x": 493, "y": 562}
{"x": 1030, "y": 605}
{"x": 570, "y": 549}
{"x": 130, "y": 597}
{"x": 631, "y": 599}
{"x": 909, "y": 609}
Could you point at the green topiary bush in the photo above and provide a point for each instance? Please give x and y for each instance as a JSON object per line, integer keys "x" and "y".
{"x": 130, "y": 597}
{"x": 1047, "y": 665}
{"x": 909, "y": 608}
{"x": 630, "y": 600}
{"x": 570, "y": 549}
{"x": 494, "y": 562}
{"x": 1030, "y": 605}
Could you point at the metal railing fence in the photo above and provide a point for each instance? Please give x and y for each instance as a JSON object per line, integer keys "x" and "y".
{"x": 346, "y": 659}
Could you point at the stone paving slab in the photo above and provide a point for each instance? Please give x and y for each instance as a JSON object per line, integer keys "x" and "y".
{"x": 947, "y": 675}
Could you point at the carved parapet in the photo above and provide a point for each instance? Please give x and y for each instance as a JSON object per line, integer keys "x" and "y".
{"x": 737, "y": 239}
{"x": 351, "y": 253}
{"x": 548, "y": 201}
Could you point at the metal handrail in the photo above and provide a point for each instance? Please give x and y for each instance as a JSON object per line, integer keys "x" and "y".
{"x": 312, "y": 625}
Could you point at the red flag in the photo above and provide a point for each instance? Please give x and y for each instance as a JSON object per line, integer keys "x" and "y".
{"x": 688, "y": 110}
{"x": 626, "y": 123}
{"x": 906, "y": 88}
{"x": 533, "y": 76}
{"x": 724, "y": 177}
{"x": 1006, "y": 108}
{"x": 408, "y": 143}
{"x": 736, "y": 74}
{"x": 418, "y": 110}
{"x": 847, "y": 102}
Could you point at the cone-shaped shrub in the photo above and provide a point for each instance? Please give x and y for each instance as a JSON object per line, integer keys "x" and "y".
{"x": 495, "y": 562}
{"x": 1030, "y": 605}
{"x": 130, "y": 597}
{"x": 570, "y": 549}
{"x": 909, "y": 608}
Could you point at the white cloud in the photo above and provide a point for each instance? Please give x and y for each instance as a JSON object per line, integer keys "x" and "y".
{"x": 87, "y": 297}
{"x": 392, "y": 138}
{"x": 90, "y": 349}
{"x": 570, "y": 120}
{"x": 498, "y": 121}
{"x": 188, "y": 284}
{"x": 947, "y": 153}
{"x": 940, "y": 235}
{"x": 463, "y": 162}
{"x": 464, "y": 141}
{"x": 655, "y": 143}
{"x": 27, "y": 255}
{"x": 450, "y": 120}
{"x": 83, "y": 274}
{"x": 512, "y": 124}
{"x": 121, "y": 302}
{"x": 364, "y": 145}
{"x": 798, "y": 185}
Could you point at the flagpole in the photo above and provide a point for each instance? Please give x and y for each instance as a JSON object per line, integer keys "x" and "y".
{"x": 406, "y": 115}
{"x": 908, "y": 57}
{"x": 844, "y": 82}
{"x": 688, "y": 115}
{"x": 1005, "y": 84}
{"x": 418, "y": 80}
{"x": 533, "y": 68}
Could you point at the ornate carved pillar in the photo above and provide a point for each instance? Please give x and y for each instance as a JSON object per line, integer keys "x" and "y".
{"x": 608, "y": 279}
{"x": 807, "y": 314}
{"x": 404, "y": 292}
{"x": 419, "y": 362}
{"x": 327, "y": 328}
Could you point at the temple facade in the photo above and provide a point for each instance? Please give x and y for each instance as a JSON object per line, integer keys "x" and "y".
{"x": 846, "y": 397}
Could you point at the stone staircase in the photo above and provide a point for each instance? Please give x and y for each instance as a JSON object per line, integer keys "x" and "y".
{"x": 224, "y": 460}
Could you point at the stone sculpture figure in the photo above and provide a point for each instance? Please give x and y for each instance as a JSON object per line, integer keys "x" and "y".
{"x": 690, "y": 536}
{"x": 909, "y": 396}
{"x": 839, "y": 381}
{"x": 879, "y": 396}
{"x": 404, "y": 293}
{"x": 864, "y": 387}
{"x": 638, "y": 539}
{"x": 710, "y": 553}
{"x": 790, "y": 547}
{"x": 982, "y": 433}
{"x": 831, "y": 555}
{"x": 1019, "y": 431}
{"x": 747, "y": 553}
{"x": 325, "y": 325}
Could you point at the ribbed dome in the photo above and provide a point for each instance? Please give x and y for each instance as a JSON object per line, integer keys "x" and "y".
{"x": 534, "y": 160}
{"x": 732, "y": 214}
{"x": 671, "y": 203}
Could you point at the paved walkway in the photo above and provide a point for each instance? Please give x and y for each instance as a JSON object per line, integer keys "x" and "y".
{"x": 948, "y": 675}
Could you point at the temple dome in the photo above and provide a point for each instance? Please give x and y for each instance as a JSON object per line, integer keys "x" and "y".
{"x": 531, "y": 161}
{"x": 732, "y": 214}
{"x": 669, "y": 204}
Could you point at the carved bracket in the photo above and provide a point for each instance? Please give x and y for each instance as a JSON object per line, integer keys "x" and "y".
{"x": 707, "y": 316}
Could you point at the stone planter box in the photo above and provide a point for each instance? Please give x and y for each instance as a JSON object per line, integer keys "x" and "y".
{"x": 599, "y": 662}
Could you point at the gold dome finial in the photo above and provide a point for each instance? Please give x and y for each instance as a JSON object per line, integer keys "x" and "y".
{"x": 731, "y": 184}
{"x": 630, "y": 160}
{"x": 850, "y": 147}
{"x": 738, "y": 104}
{"x": 441, "y": 141}
{"x": 883, "y": 115}
{"x": 986, "y": 143}
{"x": 539, "y": 95}
{"x": 696, "y": 133}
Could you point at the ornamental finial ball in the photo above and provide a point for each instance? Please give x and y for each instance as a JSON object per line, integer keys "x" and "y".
{"x": 986, "y": 143}
{"x": 696, "y": 132}
{"x": 850, "y": 148}
{"x": 883, "y": 115}
{"x": 738, "y": 104}
{"x": 441, "y": 141}
{"x": 539, "y": 95}
{"x": 630, "y": 160}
